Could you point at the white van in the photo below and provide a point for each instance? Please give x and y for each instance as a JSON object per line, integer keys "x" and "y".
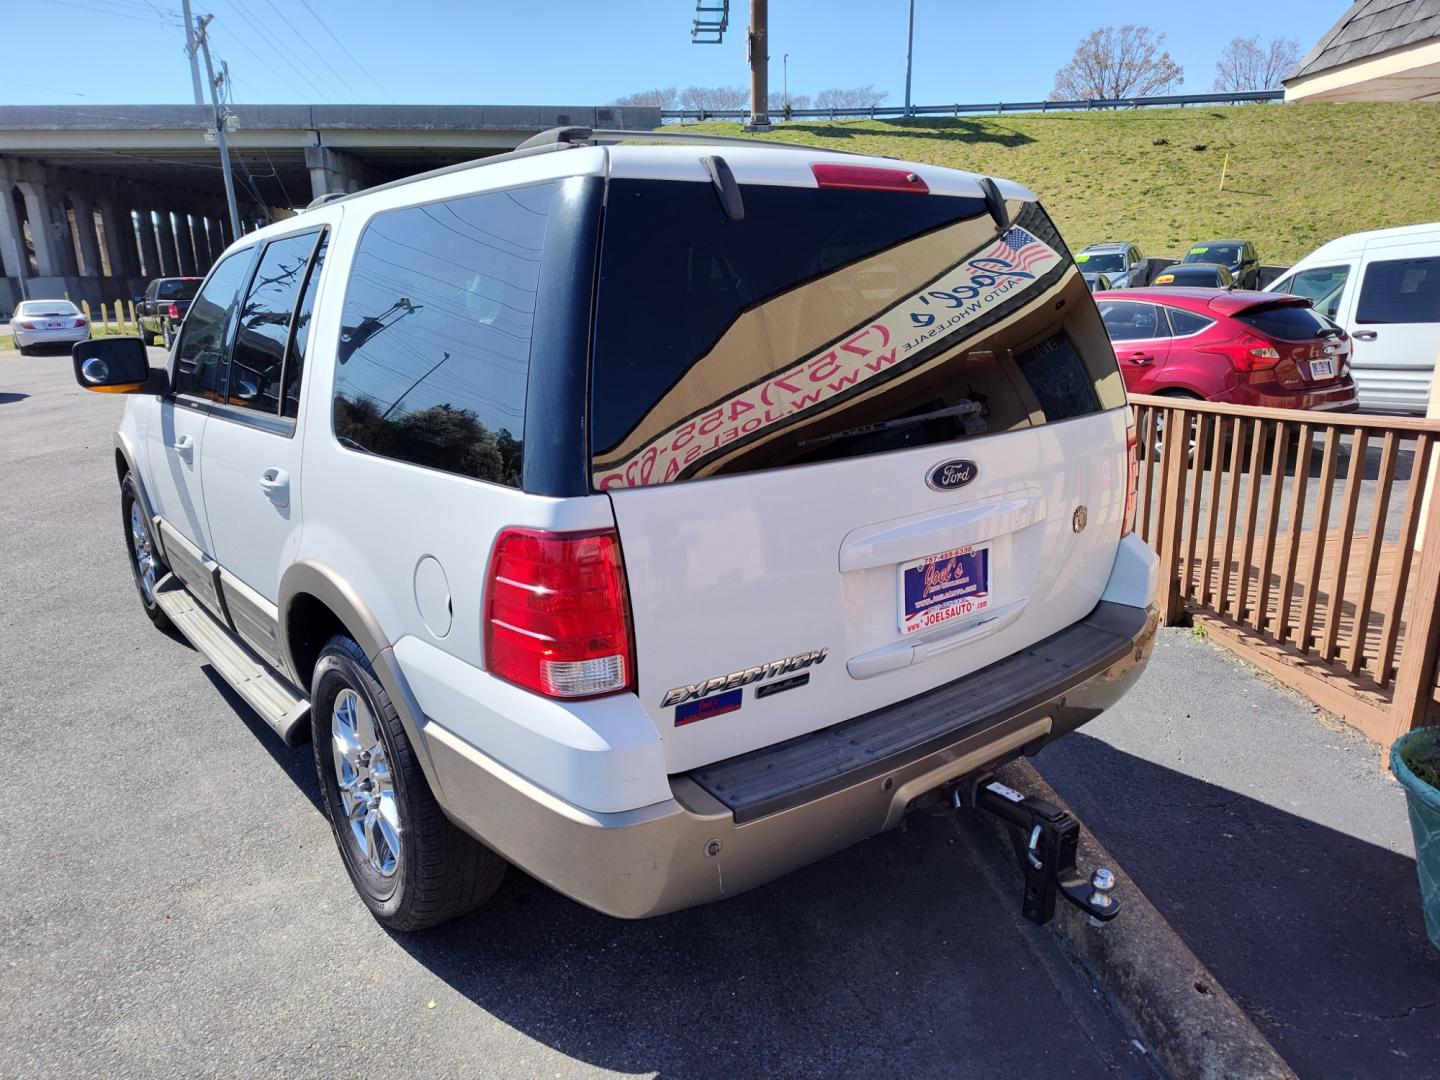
{"x": 1383, "y": 287}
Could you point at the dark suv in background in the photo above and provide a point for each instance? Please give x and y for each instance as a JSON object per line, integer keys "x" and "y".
{"x": 162, "y": 309}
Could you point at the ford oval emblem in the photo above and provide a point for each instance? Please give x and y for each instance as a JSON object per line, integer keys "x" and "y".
{"x": 949, "y": 475}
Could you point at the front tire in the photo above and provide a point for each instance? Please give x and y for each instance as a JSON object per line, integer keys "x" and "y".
{"x": 410, "y": 864}
{"x": 145, "y": 562}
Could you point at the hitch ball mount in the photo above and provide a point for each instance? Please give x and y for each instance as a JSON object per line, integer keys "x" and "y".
{"x": 1051, "y": 838}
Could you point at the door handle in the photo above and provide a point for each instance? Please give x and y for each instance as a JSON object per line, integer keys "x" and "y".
{"x": 1366, "y": 335}
{"x": 185, "y": 447}
{"x": 1140, "y": 358}
{"x": 275, "y": 483}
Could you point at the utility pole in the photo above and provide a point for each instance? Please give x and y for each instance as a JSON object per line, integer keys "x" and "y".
{"x": 909, "y": 57}
{"x": 200, "y": 24}
{"x": 759, "y": 67}
{"x": 190, "y": 52}
{"x": 786, "y": 76}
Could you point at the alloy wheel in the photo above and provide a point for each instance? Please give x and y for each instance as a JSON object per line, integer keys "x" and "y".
{"x": 146, "y": 566}
{"x": 366, "y": 782}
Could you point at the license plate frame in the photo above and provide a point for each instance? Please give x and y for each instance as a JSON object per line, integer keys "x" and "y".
{"x": 943, "y": 587}
{"x": 1322, "y": 368}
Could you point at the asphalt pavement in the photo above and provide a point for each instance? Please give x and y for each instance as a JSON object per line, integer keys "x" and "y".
{"x": 1271, "y": 838}
{"x": 175, "y": 905}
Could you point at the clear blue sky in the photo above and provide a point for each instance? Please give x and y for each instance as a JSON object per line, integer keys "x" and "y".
{"x": 580, "y": 53}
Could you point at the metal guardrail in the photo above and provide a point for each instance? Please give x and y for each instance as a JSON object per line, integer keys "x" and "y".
{"x": 874, "y": 111}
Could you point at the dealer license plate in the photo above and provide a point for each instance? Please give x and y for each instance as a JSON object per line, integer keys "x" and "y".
{"x": 1322, "y": 369}
{"x": 940, "y": 588}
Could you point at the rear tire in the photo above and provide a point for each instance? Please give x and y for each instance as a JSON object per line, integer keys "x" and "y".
{"x": 24, "y": 350}
{"x": 410, "y": 864}
{"x": 1157, "y": 451}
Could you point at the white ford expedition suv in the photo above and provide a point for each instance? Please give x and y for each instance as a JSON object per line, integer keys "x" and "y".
{"x": 659, "y": 518}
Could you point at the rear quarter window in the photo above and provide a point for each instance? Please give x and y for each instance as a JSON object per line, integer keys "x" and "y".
{"x": 435, "y": 333}
{"x": 1400, "y": 291}
{"x": 827, "y": 324}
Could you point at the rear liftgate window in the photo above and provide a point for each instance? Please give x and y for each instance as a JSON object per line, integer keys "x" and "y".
{"x": 827, "y": 324}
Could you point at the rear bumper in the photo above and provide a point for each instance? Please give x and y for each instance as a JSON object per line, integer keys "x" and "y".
{"x": 738, "y": 824}
{"x": 48, "y": 337}
{"x": 1341, "y": 397}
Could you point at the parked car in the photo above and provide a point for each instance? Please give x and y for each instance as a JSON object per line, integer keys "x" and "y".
{"x": 1195, "y": 276}
{"x": 1237, "y": 256}
{"x": 661, "y": 598}
{"x": 47, "y": 322}
{"x": 1383, "y": 287}
{"x": 162, "y": 308}
{"x": 1244, "y": 348}
{"x": 1121, "y": 262}
{"x": 1097, "y": 282}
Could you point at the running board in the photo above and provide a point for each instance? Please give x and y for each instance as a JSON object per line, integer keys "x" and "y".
{"x": 263, "y": 690}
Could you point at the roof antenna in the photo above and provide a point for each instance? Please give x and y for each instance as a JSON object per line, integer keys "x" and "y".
{"x": 995, "y": 203}
{"x": 726, "y": 188}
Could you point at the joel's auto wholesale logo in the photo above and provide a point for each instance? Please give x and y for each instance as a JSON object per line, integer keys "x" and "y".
{"x": 949, "y": 475}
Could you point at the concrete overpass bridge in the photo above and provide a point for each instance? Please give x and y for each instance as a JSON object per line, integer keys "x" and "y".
{"x": 97, "y": 199}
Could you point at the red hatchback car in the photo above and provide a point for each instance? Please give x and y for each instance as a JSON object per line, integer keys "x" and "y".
{"x": 1244, "y": 348}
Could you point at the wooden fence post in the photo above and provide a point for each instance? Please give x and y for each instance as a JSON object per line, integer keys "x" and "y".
{"x": 1415, "y": 676}
{"x": 1172, "y": 499}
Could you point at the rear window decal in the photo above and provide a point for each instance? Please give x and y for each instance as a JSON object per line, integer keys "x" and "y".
{"x": 960, "y": 295}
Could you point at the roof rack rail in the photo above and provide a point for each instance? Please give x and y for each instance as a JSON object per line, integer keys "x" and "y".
{"x": 564, "y": 138}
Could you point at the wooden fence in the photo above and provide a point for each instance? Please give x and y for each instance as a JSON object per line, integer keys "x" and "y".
{"x": 1295, "y": 538}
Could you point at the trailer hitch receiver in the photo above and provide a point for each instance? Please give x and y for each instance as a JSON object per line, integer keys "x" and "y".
{"x": 1051, "y": 837}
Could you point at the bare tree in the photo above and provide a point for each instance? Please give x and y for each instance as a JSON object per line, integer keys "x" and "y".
{"x": 778, "y": 102}
{"x": 1116, "y": 63}
{"x": 1247, "y": 65}
{"x": 855, "y": 97}
{"x": 662, "y": 97}
{"x": 710, "y": 98}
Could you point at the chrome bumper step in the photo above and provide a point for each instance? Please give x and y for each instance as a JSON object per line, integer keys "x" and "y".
{"x": 262, "y": 689}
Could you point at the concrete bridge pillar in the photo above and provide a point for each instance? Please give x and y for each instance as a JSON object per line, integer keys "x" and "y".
{"x": 185, "y": 243}
{"x": 14, "y": 261}
{"x": 90, "y": 264}
{"x": 149, "y": 252}
{"x": 165, "y": 233}
{"x": 49, "y": 230}
{"x": 332, "y": 170}
{"x": 119, "y": 240}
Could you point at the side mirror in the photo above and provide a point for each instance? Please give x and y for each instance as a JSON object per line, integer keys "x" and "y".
{"x": 116, "y": 366}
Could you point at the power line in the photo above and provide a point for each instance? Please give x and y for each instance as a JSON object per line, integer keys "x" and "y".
{"x": 300, "y": 95}
{"x": 305, "y": 38}
{"x": 113, "y": 12}
{"x": 271, "y": 42}
{"x": 359, "y": 66}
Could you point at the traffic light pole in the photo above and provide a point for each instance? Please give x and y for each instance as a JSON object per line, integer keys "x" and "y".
{"x": 200, "y": 24}
{"x": 759, "y": 66}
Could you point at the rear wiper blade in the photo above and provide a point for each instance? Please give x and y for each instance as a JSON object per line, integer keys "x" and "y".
{"x": 965, "y": 408}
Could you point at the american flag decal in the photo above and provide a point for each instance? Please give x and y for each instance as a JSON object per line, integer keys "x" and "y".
{"x": 1022, "y": 249}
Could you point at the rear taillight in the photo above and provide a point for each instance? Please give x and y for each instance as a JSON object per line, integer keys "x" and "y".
{"x": 1246, "y": 353}
{"x": 27, "y": 326}
{"x": 1132, "y": 476}
{"x": 174, "y": 311}
{"x": 79, "y": 323}
{"x": 867, "y": 178}
{"x": 557, "y": 616}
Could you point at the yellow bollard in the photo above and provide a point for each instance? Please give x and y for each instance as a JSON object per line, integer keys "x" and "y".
{"x": 135, "y": 323}
{"x": 85, "y": 310}
{"x": 119, "y": 317}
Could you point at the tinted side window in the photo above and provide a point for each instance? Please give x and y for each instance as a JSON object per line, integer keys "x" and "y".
{"x": 1132, "y": 322}
{"x": 1400, "y": 291}
{"x": 434, "y": 347}
{"x": 295, "y": 362}
{"x": 1289, "y": 322}
{"x": 1185, "y": 323}
{"x": 257, "y": 360}
{"x": 202, "y": 338}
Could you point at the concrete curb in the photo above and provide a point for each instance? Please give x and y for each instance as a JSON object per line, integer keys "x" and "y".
{"x": 1187, "y": 1020}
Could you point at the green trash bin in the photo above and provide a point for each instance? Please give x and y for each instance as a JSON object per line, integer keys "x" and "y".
{"x": 1424, "y": 801}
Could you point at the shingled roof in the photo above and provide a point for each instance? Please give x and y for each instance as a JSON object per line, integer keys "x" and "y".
{"x": 1369, "y": 28}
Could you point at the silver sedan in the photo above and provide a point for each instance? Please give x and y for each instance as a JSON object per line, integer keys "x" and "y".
{"x": 47, "y": 322}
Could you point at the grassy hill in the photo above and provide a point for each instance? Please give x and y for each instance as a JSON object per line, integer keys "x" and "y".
{"x": 1299, "y": 174}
